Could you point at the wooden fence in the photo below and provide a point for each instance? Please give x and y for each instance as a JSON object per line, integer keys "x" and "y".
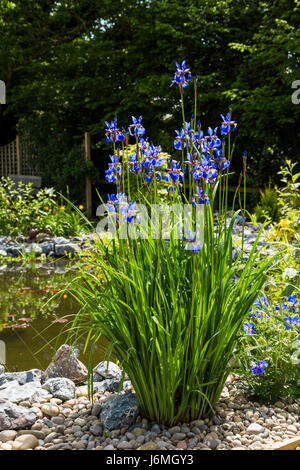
{"x": 14, "y": 161}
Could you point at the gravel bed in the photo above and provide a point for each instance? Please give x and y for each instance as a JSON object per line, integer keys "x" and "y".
{"x": 75, "y": 424}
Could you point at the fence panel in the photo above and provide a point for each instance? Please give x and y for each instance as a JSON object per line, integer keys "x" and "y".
{"x": 14, "y": 160}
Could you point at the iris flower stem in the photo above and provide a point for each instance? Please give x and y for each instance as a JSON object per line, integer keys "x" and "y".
{"x": 226, "y": 187}
{"x": 244, "y": 210}
{"x": 186, "y": 140}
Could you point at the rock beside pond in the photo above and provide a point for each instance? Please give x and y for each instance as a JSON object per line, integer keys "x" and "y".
{"x": 15, "y": 417}
{"x": 119, "y": 411}
{"x": 107, "y": 370}
{"x": 65, "y": 364}
{"x": 65, "y": 248}
{"x": 61, "y": 388}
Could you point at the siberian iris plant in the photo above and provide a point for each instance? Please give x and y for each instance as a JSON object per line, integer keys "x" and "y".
{"x": 172, "y": 310}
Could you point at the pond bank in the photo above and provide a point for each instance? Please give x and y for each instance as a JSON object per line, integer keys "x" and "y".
{"x": 47, "y": 245}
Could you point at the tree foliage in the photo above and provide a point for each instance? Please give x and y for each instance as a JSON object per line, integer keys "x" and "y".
{"x": 87, "y": 61}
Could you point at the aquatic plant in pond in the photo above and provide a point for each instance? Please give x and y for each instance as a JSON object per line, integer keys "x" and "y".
{"x": 171, "y": 309}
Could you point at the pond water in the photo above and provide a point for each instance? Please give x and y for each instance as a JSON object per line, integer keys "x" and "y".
{"x": 31, "y": 327}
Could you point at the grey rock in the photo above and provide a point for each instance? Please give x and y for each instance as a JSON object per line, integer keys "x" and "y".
{"x": 60, "y": 387}
{"x": 16, "y": 393}
{"x": 60, "y": 240}
{"x": 66, "y": 364}
{"x": 119, "y": 412}
{"x": 34, "y": 247}
{"x": 47, "y": 247}
{"x": 108, "y": 385}
{"x": 107, "y": 370}
{"x": 14, "y": 251}
{"x": 22, "y": 378}
{"x": 62, "y": 249}
{"x": 1, "y": 369}
{"x": 15, "y": 417}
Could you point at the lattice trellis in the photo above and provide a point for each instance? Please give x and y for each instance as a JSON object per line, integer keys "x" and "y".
{"x": 8, "y": 159}
{"x": 13, "y": 164}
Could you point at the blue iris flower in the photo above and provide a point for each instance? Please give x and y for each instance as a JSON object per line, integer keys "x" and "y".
{"x": 182, "y": 75}
{"x": 259, "y": 368}
{"x": 193, "y": 244}
{"x": 113, "y": 134}
{"x": 227, "y": 124}
{"x": 113, "y": 173}
{"x": 138, "y": 129}
{"x": 249, "y": 328}
{"x": 200, "y": 197}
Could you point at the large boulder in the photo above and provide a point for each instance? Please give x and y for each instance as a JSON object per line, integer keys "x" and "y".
{"x": 66, "y": 364}
{"x": 119, "y": 411}
{"x": 15, "y": 417}
{"x": 61, "y": 388}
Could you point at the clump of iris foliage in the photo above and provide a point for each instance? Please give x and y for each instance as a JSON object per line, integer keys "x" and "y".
{"x": 21, "y": 209}
{"x": 171, "y": 309}
{"x": 270, "y": 349}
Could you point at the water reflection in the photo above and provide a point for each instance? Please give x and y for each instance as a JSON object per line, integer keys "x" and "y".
{"x": 31, "y": 326}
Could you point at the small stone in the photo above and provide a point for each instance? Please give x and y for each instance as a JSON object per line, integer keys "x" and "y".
{"x": 24, "y": 442}
{"x": 6, "y": 446}
{"x": 124, "y": 445}
{"x": 155, "y": 428}
{"x": 182, "y": 445}
{"x": 37, "y": 434}
{"x": 96, "y": 430}
{"x": 255, "y": 428}
{"x": 292, "y": 428}
{"x": 279, "y": 404}
{"x": 178, "y": 436}
{"x": 138, "y": 432}
{"x": 148, "y": 446}
{"x": 96, "y": 409}
{"x": 174, "y": 430}
{"x": 50, "y": 410}
{"x": 7, "y": 435}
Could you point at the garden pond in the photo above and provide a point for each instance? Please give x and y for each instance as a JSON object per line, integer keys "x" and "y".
{"x": 32, "y": 326}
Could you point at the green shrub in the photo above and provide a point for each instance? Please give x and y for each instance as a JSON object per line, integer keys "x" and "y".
{"x": 268, "y": 207}
{"x": 272, "y": 334}
{"x": 21, "y": 209}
